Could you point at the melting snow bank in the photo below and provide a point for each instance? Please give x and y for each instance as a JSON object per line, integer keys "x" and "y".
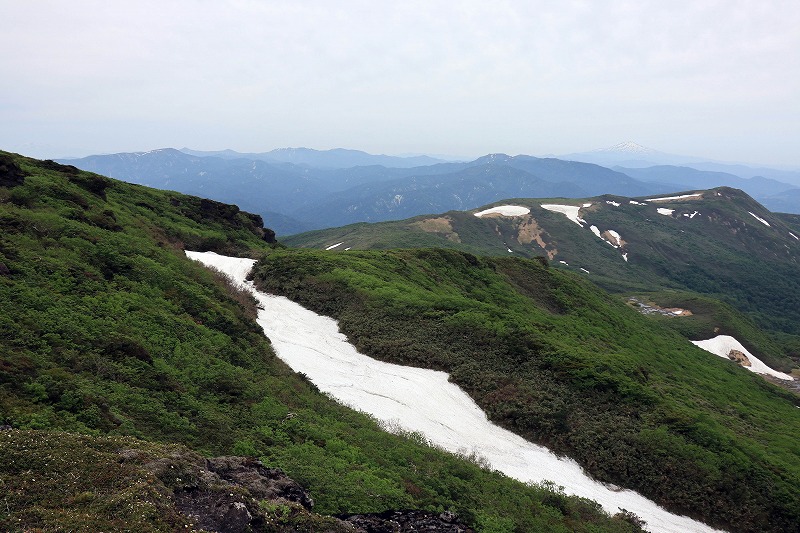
{"x": 665, "y": 211}
{"x": 571, "y": 211}
{"x": 505, "y": 210}
{"x": 422, "y": 400}
{"x": 723, "y": 345}
{"x": 332, "y": 246}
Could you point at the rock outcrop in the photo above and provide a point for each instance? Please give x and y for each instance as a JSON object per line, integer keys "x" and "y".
{"x": 407, "y": 522}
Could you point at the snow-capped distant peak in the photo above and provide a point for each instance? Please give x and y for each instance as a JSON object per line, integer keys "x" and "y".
{"x": 627, "y": 147}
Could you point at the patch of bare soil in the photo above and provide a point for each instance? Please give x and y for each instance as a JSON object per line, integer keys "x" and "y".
{"x": 529, "y": 231}
{"x": 442, "y": 226}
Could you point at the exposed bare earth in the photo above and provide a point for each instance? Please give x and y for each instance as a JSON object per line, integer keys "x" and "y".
{"x": 442, "y": 225}
{"x": 620, "y": 242}
{"x": 739, "y": 357}
{"x": 529, "y": 231}
{"x": 651, "y": 308}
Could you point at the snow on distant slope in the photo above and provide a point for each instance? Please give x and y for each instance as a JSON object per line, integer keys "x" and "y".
{"x": 722, "y": 345}
{"x": 681, "y": 197}
{"x": 423, "y": 400}
{"x": 616, "y": 237}
{"x": 665, "y": 211}
{"x": 760, "y": 219}
{"x": 505, "y": 210}
{"x": 627, "y": 147}
{"x": 571, "y": 211}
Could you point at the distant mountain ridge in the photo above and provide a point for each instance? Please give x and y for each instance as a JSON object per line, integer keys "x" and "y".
{"x": 293, "y": 198}
{"x": 334, "y": 158}
{"x": 632, "y": 155}
{"x": 294, "y": 194}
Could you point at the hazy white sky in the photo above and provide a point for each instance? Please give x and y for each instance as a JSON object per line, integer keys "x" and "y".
{"x": 718, "y": 79}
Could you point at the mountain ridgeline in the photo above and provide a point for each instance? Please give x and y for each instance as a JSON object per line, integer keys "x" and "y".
{"x": 718, "y": 242}
{"x": 298, "y": 189}
{"x": 122, "y": 361}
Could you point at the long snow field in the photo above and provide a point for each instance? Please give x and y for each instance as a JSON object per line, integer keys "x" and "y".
{"x": 505, "y": 210}
{"x": 421, "y": 400}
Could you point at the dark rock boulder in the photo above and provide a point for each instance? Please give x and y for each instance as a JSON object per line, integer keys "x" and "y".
{"x": 10, "y": 173}
{"x": 49, "y": 164}
{"x": 407, "y": 522}
{"x": 262, "y": 482}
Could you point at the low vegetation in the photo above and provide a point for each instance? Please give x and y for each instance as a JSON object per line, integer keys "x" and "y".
{"x": 563, "y": 363}
{"x": 109, "y": 332}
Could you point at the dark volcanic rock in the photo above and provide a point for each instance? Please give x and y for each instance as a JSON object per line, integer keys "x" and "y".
{"x": 407, "y": 522}
{"x": 10, "y": 173}
{"x": 49, "y": 164}
{"x": 260, "y": 481}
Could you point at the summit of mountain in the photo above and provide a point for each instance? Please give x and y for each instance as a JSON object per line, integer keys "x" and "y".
{"x": 627, "y": 147}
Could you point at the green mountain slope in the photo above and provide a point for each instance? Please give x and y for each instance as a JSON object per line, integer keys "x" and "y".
{"x": 107, "y": 330}
{"x": 720, "y": 243}
{"x": 562, "y": 363}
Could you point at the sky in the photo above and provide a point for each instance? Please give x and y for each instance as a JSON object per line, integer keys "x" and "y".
{"x": 715, "y": 79}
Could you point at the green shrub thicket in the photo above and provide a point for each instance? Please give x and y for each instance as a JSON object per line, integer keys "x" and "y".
{"x": 562, "y": 363}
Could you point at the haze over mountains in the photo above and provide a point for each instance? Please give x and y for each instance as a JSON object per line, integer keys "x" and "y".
{"x": 300, "y": 189}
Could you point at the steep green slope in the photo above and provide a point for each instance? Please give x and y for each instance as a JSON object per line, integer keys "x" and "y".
{"x": 720, "y": 243}
{"x": 106, "y": 329}
{"x": 564, "y": 364}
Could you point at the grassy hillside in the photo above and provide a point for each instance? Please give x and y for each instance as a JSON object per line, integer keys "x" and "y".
{"x": 562, "y": 363}
{"x": 711, "y": 244}
{"x": 107, "y": 330}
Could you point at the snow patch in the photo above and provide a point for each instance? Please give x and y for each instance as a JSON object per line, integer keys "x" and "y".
{"x": 616, "y": 237}
{"x": 667, "y": 198}
{"x": 691, "y": 215}
{"x": 663, "y": 211}
{"x": 795, "y": 236}
{"x": 722, "y": 345}
{"x": 760, "y": 219}
{"x": 585, "y": 270}
{"x": 587, "y": 205}
{"x": 634, "y": 202}
{"x": 615, "y": 204}
{"x": 564, "y": 263}
{"x": 595, "y": 231}
{"x": 505, "y": 210}
{"x": 421, "y": 400}
{"x": 625, "y": 256}
{"x": 571, "y": 211}
{"x": 332, "y": 246}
